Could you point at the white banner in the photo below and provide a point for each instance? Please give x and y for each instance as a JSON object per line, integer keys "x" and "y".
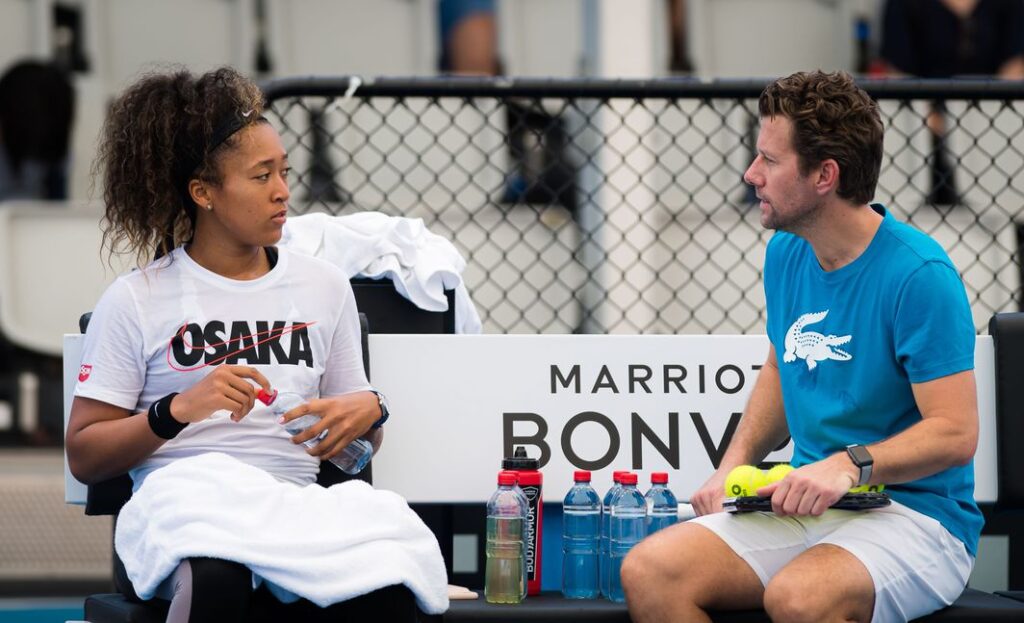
{"x": 599, "y": 402}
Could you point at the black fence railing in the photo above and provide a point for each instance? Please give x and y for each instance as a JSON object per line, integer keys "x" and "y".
{"x": 618, "y": 206}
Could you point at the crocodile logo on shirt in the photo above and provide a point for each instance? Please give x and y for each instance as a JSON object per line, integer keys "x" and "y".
{"x": 811, "y": 346}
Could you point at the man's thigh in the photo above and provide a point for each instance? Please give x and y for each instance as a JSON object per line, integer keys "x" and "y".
{"x": 688, "y": 560}
{"x": 916, "y": 566}
{"x": 825, "y": 583}
{"x": 764, "y": 541}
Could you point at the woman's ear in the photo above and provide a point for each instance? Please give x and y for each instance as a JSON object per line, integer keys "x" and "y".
{"x": 199, "y": 193}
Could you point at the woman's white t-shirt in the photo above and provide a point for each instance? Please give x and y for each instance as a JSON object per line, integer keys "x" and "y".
{"x": 163, "y": 328}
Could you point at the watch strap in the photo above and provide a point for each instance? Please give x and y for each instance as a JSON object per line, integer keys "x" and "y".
{"x": 385, "y": 413}
{"x": 861, "y": 458}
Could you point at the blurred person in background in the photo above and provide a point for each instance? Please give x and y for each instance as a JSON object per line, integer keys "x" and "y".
{"x": 951, "y": 38}
{"x": 679, "y": 61}
{"x": 469, "y": 37}
{"x": 37, "y": 106}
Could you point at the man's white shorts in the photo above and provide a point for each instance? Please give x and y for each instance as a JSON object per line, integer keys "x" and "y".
{"x": 917, "y": 566}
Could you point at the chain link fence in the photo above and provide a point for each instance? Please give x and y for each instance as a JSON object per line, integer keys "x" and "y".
{"x": 619, "y": 206}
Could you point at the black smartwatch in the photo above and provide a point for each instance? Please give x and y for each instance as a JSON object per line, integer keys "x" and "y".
{"x": 863, "y": 460}
{"x": 384, "y": 411}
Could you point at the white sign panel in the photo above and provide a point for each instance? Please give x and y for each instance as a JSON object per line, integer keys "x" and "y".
{"x": 598, "y": 402}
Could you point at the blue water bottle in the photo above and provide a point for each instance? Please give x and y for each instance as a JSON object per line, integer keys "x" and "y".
{"x": 606, "y": 512}
{"x": 581, "y": 534}
{"x": 662, "y": 505}
{"x": 627, "y": 526}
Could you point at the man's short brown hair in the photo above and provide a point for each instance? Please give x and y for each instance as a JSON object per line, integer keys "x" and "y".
{"x": 832, "y": 118}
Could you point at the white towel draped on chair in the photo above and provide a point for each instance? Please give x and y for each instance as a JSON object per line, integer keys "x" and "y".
{"x": 422, "y": 264}
{"x": 324, "y": 544}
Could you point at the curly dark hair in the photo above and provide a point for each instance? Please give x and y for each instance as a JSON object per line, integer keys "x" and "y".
{"x": 164, "y": 131}
{"x": 832, "y": 118}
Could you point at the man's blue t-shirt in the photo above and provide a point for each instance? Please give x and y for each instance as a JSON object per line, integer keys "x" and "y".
{"x": 850, "y": 342}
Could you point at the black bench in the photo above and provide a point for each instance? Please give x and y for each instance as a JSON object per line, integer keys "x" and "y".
{"x": 973, "y": 606}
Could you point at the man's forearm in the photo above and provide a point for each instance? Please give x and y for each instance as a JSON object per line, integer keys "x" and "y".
{"x": 763, "y": 426}
{"x": 946, "y": 436}
{"x": 925, "y": 448}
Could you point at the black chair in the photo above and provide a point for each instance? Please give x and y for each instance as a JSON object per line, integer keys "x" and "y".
{"x": 1007, "y": 517}
{"x": 390, "y": 313}
{"x": 382, "y": 308}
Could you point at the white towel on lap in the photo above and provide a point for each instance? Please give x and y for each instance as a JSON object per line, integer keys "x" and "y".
{"x": 324, "y": 544}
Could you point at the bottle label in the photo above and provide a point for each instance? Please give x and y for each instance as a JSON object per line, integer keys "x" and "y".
{"x": 532, "y": 493}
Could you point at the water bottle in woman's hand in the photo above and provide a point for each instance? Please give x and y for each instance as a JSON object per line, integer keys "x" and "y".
{"x": 352, "y": 458}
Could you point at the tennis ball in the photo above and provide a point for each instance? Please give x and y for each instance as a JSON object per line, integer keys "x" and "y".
{"x": 868, "y": 489}
{"x": 778, "y": 472}
{"x": 744, "y": 480}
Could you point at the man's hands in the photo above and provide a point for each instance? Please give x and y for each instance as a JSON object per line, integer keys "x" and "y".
{"x": 344, "y": 417}
{"x": 808, "y": 490}
{"x": 811, "y": 489}
{"x": 227, "y": 388}
{"x": 708, "y": 499}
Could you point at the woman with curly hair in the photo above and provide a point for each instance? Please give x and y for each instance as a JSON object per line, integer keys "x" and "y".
{"x": 177, "y": 351}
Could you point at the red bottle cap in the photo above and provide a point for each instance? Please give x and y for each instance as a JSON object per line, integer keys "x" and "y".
{"x": 617, "y": 476}
{"x": 659, "y": 478}
{"x": 581, "y": 475}
{"x": 507, "y": 478}
{"x": 266, "y": 398}
{"x": 628, "y": 479}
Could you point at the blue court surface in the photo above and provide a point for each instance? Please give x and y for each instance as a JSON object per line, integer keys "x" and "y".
{"x": 41, "y": 610}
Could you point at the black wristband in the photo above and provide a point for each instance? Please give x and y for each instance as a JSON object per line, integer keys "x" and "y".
{"x": 160, "y": 420}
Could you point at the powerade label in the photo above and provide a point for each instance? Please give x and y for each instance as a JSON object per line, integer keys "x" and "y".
{"x": 533, "y": 497}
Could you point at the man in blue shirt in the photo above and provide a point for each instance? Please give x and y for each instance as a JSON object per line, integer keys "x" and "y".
{"x": 870, "y": 370}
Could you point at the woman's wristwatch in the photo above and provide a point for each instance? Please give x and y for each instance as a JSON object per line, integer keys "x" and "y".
{"x": 384, "y": 411}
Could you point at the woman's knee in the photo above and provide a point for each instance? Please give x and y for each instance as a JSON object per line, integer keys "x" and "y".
{"x": 217, "y": 574}
{"x": 391, "y": 603}
{"x": 221, "y": 590}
